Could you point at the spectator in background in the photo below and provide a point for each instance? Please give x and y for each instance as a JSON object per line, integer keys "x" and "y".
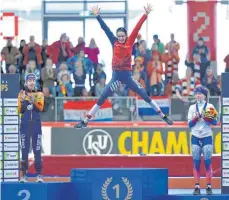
{"x": 173, "y": 46}
{"x": 160, "y": 47}
{"x": 198, "y": 67}
{"x": 155, "y": 70}
{"x": 99, "y": 87}
{"x": 80, "y": 46}
{"x": 64, "y": 88}
{"x": 44, "y": 52}
{"x": 49, "y": 76}
{"x": 92, "y": 51}
{"x": 226, "y": 60}
{"x": 32, "y": 52}
{"x": 170, "y": 88}
{"x": 79, "y": 77}
{"x": 211, "y": 83}
{"x": 202, "y": 50}
{"x": 98, "y": 73}
{"x": 12, "y": 69}
{"x": 10, "y": 53}
{"x": 144, "y": 52}
{"x": 85, "y": 93}
{"x": 139, "y": 67}
{"x": 171, "y": 61}
{"x": 63, "y": 70}
{"x": 136, "y": 45}
{"x": 137, "y": 77}
{"x": 21, "y": 67}
{"x": 60, "y": 51}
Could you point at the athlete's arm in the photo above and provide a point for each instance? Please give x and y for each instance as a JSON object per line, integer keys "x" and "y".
{"x": 136, "y": 29}
{"x": 192, "y": 120}
{"x": 110, "y": 35}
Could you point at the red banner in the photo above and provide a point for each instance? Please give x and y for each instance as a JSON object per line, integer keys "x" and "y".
{"x": 202, "y": 23}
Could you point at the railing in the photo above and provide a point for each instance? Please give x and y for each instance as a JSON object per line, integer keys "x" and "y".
{"x": 120, "y": 109}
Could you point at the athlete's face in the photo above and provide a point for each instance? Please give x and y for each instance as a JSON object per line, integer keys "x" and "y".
{"x": 31, "y": 84}
{"x": 121, "y": 37}
{"x": 200, "y": 96}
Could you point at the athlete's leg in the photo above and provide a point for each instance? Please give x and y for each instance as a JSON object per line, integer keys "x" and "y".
{"x": 196, "y": 155}
{"x": 25, "y": 144}
{"x": 108, "y": 90}
{"x": 36, "y": 143}
{"x": 207, "y": 152}
{"x": 137, "y": 87}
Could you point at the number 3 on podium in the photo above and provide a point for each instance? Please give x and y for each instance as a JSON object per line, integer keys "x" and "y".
{"x": 26, "y": 192}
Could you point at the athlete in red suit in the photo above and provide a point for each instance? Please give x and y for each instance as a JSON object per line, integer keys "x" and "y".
{"x": 121, "y": 66}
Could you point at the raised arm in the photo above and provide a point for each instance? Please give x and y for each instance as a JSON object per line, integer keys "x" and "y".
{"x": 137, "y": 28}
{"x": 110, "y": 35}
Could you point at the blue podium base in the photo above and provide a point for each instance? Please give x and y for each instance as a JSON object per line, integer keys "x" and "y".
{"x": 118, "y": 183}
{"x": 37, "y": 191}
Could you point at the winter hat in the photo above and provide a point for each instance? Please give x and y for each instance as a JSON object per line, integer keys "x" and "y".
{"x": 30, "y": 76}
{"x": 202, "y": 90}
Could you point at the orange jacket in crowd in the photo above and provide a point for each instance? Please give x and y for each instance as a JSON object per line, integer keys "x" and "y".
{"x": 54, "y": 51}
{"x": 37, "y": 49}
{"x": 173, "y": 48}
{"x": 154, "y": 74}
{"x": 166, "y": 57}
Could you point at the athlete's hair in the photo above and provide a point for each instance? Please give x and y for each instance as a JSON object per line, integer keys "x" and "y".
{"x": 121, "y": 29}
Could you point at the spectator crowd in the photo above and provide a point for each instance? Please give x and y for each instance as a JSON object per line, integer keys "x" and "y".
{"x": 156, "y": 68}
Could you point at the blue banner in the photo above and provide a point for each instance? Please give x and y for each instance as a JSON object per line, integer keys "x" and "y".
{"x": 10, "y": 85}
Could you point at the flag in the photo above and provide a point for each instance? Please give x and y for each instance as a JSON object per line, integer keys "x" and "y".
{"x": 144, "y": 109}
{"x": 77, "y": 110}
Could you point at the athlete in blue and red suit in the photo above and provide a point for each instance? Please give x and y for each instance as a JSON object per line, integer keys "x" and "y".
{"x": 121, "y": 66}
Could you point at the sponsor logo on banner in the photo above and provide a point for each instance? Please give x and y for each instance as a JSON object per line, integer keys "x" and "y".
{"x": 226, "y": 146}
{"x": 0, "y": 173}
{"x": 225, "y": 137}
{"x": 10, "y": 119}
{"x": 226, "y": 173}
{"x": 0, "y": 102}
{"x": 225, "y": 101}
{"x": 225, "y": 155}
{"x": 11, "y": 173}
{"x": 225, "y": 164}
{"x": 225, "y": 182}
{"x": 226, "y": 128}
{"x": 10, "y": 111}
{"x": 0, "y": 146}
{"x": 226, "y": 119}
{"x": 0, "y": 110}
{"x": 97, "y": 142}
{"x": 1, "y": 155}
{"x": 11, "y": 138}
{"x": 11, "y": 164}
{"x": 0, "y": 128}
{"x": 77, "y": 110}
{"x": 11, "y": 102}
{"x": 10, "y": 128}
{"x": 226, "y": 110}
{"x": 11, "y": 155}
{"x": 11, "y": 147}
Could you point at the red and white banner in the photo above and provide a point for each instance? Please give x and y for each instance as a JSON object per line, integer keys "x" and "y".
{"x": 202, "y": 23}
{"x": 77, "y": 110}
{"x": 8, "y": 25}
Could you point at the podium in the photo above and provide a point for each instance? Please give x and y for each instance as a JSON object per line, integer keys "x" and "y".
{"x": 37, "y": 191}
{"x": 118, "y": 183}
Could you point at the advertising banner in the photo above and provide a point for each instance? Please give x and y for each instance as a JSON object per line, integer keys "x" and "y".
{"x": 98, "y": 141}
{"x": 202, "y": 23}
{"x": 225, "y": 133}
{"x": 10, "y": 158}
{"x": 77, "y": 110}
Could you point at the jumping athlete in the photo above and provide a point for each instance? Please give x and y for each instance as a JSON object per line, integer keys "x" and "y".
{"x": 201, "y": 116}
{"x": 121, "y": 66}
{"x": 30, "y": 104}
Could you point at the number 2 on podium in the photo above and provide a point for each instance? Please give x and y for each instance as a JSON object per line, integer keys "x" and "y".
{"x": 26, "y": 192}
{"x": 117, "y": 191}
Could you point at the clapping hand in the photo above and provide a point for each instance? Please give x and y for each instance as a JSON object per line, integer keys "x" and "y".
{"x": 95, "y": 10}
{"x": 148, "y": 8}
